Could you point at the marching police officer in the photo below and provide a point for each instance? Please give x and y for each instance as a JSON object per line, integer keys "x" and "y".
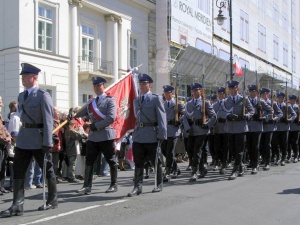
{"x": 269, "y": 126}
{"x": 237, "y": 110}
{"x": 280, "y": 136}
{"x": 262, "y": 113}
{"x": 197, "y": 123}
{"x": 150, "y": 130}
{"x": 173, "y": 131}
{"x": 102, "y": 113}
{"x": 294, "y": 132}
{"x": 34, "y": 139}
{"x": 221, "y": 139}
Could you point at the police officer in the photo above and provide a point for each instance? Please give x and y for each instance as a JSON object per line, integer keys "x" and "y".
{"x": 221, "y": 139}
{"x": 262, "y": 113}
{"x": 211, "y": 140}
{"x": 34, "y": 139}
{"x": 102, "y": 113}
{"x": 150, "y": 130}
{"x": 269, "y": 126}
{"x": 280, "y": 136}
{"x": 198, "y": 127}
{"x": 294, "y": 132}
{"x": 173, "y": 131}
{"x": 237, "y": 110}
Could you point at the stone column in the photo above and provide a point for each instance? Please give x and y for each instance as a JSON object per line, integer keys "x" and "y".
{"x": 112, "y": 49}
{"x": 74, "y": 38}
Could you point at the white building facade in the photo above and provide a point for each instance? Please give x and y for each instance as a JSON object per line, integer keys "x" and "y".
{"x": 71, "y": 41}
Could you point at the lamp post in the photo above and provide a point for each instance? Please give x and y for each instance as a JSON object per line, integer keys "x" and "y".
{"x": 220, "y": 20}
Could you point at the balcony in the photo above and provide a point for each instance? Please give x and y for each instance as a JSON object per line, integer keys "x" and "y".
{"x": 92, "y": 66}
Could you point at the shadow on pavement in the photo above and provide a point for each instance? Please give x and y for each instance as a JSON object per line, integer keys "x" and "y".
{"x": 290, "y": 191}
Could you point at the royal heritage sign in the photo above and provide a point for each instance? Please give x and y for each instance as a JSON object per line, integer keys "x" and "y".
{"x": 190, "y": 24}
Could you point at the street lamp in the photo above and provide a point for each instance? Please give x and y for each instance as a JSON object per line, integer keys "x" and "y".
{"x": 220, "y": 20}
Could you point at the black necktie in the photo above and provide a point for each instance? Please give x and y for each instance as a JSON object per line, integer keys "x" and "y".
{"x": 280, "y": 106}
{"x": 233, "y": 100}
{"x": 143, "y": 97}
{"x": 168, "y": 104}
{"x": 252, "y": 101}
{"x": 196, "y": 102}
{"x": 26, "y": 95}
{"x": 97, "y": 99}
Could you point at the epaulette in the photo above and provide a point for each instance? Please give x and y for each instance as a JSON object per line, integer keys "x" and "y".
{"x": 155, "y": 94}
{"x": 42, "y": 90}
{"x": 108, "y": 96}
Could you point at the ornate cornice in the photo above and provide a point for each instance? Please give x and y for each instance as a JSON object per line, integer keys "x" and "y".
{"x": 76, "y": 2}
{"x": 113, "y": 17}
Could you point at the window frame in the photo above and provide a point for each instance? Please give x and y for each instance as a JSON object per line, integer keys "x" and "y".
{"x": 133, "y": 49}
{"x": 88, "y": 37}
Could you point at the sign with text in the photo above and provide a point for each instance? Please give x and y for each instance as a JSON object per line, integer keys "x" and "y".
{"x": 190, "y": 24}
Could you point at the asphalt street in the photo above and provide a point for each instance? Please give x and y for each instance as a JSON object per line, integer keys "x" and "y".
{"x": 270, "y": 197}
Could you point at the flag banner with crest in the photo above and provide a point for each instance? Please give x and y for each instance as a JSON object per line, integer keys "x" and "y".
{"x": 124, "y": 91}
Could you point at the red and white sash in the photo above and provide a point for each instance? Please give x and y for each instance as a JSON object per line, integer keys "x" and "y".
{"x": 96, "y": 112}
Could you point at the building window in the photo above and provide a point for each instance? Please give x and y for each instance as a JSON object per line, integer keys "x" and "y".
{"x": 244, "y": 63}
{"x": 285, "y": 22}
{"x": 87, "y": 44}
{"x": 261, "y": 38}
{"x": 224, "y": 55}
{"x": 244, "y": 27}
{"x": 205, "y": 6}
{"x": 275, "y": 47}
{"x": 275, "y": 13}
{"x": 294, "y": 62}
{"x": 285, "y": 54}
{"x": 202, "y": 45}
{"x": 133, "y": 52}
{"x": 45, "y": 28}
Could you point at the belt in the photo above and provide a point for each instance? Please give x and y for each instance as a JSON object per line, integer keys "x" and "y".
{"x": 140, "y": 124}
{"x": 173, "y": 122}
{"x": 195, "y": 121}
{"x": 28, "y": 125}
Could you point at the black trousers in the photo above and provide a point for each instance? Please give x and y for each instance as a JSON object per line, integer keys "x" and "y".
{"x": 143, "y": 152}
{"x": 265, "y": 146}
{"x": 168, "y": 150}
{"x": 188, "y": 150}
{"x": 23, "y": 158}
{"x": 221, "y": 147}
{"x": 237, "y": 141}
{"x": 211, "y": 146}
{"x": 293, "y": 143}
{"x": 279, "y": 144}
{"x": 253, "y": 139}
{"x": 93, "y": 149}
{"x": 196, "y": 144}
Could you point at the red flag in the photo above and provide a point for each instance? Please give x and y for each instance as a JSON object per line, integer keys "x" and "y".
{"x": 124, "y": 93}
{"x": 238, "y": 69}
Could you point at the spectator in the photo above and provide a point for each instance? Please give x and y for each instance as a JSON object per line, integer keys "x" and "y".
{"x": 71, "y": 135}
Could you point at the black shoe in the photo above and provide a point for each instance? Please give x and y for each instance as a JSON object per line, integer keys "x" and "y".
{"x": 157, "y": 189}
{"x": 39, "y": 186}
{"x": 241, "y": 171}
{"x": 282, "y": 163}
{"x": 202, "y": 174}
{"x": 194, "y": 177}
{"x": 233, "y": 175}
{"x": 136, "y": 191}
{"x": 4, "y": 191}
{"x": 74, "y": 181}
{"x": 266, "y": 167}
{"x": 254, "y": 171}
{"x": 112, "y": 188}
{"x": 14, "y": 210}
{"x": 146, "y": 177}
{"x": 295, "y": 160}
{"x": 84, "y": 190}
{"x": 51, "y": 205}
{"x": 167, "y": 178}
{"x": 222, "y": 171}
{"x": 189, "y": 168}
